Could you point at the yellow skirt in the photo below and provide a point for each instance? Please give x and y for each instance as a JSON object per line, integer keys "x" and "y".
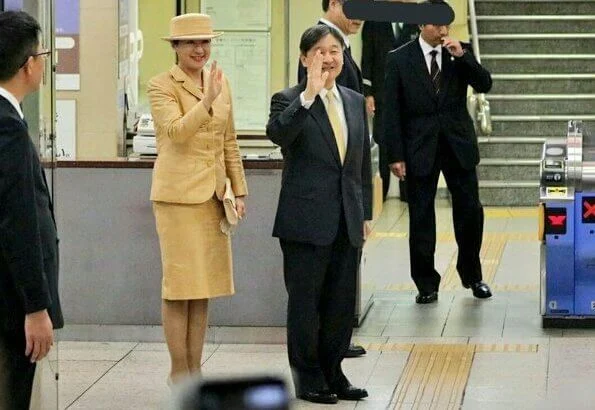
{"x": 195, "y": 254}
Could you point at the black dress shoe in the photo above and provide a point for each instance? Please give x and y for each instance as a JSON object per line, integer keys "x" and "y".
{"x": 423, "y": 298}
{"x": 320, "y": 396}
{"x": 480, "y": 290}
{"x": 351, "y": 393}
{"x": 355, "y": 351}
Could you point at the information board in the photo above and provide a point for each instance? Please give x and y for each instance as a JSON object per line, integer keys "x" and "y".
{"x": 239, "y": 15}
{"x": 245, "y": 61}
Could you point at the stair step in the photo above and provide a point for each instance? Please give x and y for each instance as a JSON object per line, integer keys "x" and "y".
{"x": 560, "y": 106}
{"x": 538, "y": 45}
{"x": 538, "y": 63}
{"x": 543, "y": 84}
{"x": 510, "y": 147}
{"x": 509, "y": 193}
{"x": 538, "y": 125}
{"x": 519, "y": 7}
{"x": 535, "y": 24}
{"x": 505, "y": 169}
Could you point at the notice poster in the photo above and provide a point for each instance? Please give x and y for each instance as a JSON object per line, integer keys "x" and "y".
{"x": 67, "y": 44}
{"x": 13, "y": 5}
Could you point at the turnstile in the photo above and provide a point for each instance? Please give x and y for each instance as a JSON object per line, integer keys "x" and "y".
{"x": 567, "y": 229}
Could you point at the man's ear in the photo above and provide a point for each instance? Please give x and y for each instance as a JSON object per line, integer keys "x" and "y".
{"x": 27, "y": 65}
{"x": 303, "y": 60}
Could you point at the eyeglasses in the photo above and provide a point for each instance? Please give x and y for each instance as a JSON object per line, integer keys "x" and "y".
{"x": 38, "y": 54}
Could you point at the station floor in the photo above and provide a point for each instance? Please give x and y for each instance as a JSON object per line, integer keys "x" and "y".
{"x": 457, "y": 353}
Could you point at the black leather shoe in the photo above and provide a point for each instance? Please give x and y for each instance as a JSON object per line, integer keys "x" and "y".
{"x": 480, "y": 290}
{"x": 351, "y": 393}
{"x": 321, "y": 396}
{"x": 423, "y": 298}
{"x": 355, "y": 351}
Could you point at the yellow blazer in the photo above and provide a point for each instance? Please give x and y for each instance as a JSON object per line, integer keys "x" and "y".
{"x": 196, "y": 148}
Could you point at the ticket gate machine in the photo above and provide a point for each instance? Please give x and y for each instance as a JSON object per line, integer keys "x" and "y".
{"x": 567, "y": 229}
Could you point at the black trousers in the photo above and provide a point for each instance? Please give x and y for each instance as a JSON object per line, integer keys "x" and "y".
{"x": 321, "y": 285}
{"x": 16, "y": 372}
{"x": 467, "y": 215}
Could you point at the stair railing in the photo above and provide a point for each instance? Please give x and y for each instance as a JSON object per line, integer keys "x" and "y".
{"x": 477, "y": 104}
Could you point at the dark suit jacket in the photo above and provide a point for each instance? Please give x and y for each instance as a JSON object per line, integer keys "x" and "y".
{"x": 350, "y": 77}
{"x": 377, "y": 40}
{"x": 28, "y": 240}
{"x": 415, "y": 117}
{"x": 315, "y": 186}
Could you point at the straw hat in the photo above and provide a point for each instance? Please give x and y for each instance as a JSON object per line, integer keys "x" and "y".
{"x": 191, "y": 26}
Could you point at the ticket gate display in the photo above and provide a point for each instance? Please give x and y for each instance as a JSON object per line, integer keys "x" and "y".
{"x": 567, "y": 229}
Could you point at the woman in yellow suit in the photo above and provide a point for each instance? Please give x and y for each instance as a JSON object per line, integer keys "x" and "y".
{"x": 197, "y": 151}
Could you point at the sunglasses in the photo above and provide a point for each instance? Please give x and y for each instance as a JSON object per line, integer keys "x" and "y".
{"x": 38, "y": 54}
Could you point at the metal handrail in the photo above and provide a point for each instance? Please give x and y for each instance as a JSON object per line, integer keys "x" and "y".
{"x": 478, "y": 104}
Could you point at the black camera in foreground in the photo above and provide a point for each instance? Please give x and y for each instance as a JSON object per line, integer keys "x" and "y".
{"x": 253, "y": 393}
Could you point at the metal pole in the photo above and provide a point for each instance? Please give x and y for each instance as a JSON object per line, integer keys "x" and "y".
{"x": 474, "y": 33}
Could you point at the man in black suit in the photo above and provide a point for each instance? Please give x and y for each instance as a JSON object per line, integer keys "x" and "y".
{"x": 427, "y": 129}
{"x": 350, "y": 77}
{"x": 378, "y": 38}
{"x": 29, "y": 303}
{"x": 321, "y": 221}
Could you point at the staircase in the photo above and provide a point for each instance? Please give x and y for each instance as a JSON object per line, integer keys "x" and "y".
{"x": 541, "y": 54}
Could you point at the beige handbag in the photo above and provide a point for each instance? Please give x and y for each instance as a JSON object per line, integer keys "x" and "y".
{"x": 229, "y": 223}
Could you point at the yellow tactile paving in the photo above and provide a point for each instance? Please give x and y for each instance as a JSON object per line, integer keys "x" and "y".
{"x": 499, "y": 287}
{"x": 450, "y": 237}
{"x": 491, "y": 253}
{"x": 497, "y": 213}
{"x": 436, "y": 375}
{"x": 478, "y": 348}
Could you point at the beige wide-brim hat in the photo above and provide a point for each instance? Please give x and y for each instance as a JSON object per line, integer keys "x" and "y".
{"x": 191, "y": 26}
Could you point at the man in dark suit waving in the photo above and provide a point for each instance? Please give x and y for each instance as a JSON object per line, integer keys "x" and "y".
{"x": 29, "y": 304}
{"x": 321, "y": 221}
{"x": 427, "y": 129}
{"x": 378, "y": 38}
{"x": 350, "y": 76}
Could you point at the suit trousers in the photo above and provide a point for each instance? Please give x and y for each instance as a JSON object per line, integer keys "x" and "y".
{"x": 16, "y": 372}
{"x": 321, "y": 285}
{"x": 467, "y": 214}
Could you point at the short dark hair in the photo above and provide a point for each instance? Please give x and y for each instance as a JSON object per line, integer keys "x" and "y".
{"x": 19, "y": 39}
{"x": 313, "y": 35}
{"x": 325, "y": 4}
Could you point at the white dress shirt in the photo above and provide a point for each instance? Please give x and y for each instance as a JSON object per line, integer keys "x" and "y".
{"x": 394, "y": 24}
{"x": 427, "y": 49}
{"x": 341, "y": 110}
{"x": 13, "y": 100}
{"x": 345, "y": 38}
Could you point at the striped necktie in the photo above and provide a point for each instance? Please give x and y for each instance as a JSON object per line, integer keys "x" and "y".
{"x": 435, "y": 72}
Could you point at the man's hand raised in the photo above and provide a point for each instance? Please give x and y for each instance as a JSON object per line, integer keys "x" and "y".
{"x": 316, "y": 78}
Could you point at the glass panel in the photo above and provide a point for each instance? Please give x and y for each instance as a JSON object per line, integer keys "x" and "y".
{"x": 39, "y": 110}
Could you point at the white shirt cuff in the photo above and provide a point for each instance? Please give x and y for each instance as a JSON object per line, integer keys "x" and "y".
{"x": 306, "y": 104}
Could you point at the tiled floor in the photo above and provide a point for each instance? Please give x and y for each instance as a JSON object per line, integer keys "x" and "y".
{"x": 515, "y": 365}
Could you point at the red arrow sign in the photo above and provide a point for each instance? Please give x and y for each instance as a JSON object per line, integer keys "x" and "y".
{"x": 557, "y": 220}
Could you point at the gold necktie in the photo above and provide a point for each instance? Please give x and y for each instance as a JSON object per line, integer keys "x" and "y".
{"x": 333, "y": 116}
